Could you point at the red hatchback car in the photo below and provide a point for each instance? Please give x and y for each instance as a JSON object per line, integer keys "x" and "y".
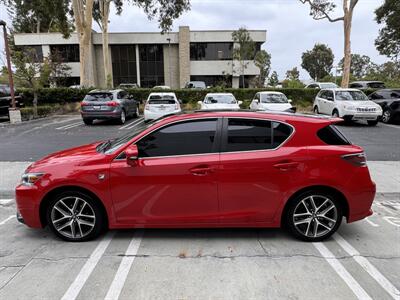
{"x": 204, "y": 169}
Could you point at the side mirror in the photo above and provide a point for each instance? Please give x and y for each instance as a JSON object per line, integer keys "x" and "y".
{"x": 256, "y": 101}
{"x": 180, "y": 101}
{"x": 290, "y": 100}
{"x": 240, "y": 102}
{"x": 131, "y": 154}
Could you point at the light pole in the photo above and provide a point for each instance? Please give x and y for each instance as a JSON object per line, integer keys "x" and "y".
{"x": 10, "y": 77}
{"x": 169, "y": 61}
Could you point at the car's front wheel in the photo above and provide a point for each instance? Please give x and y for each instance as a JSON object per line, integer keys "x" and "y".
{"x": 335, "y": 114}
{"x": 314, "y": 216}
{"x": 316, "y": 111}
{"x": 75, "y": 217}
{"x": 386, "y": 116}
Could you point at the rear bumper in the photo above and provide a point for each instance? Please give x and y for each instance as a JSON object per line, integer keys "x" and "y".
{"x": 150, "y": 115}
{"x": 100, "y": 115}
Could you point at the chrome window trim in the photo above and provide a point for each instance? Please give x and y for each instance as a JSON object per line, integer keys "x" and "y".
{"x": 211, "y": 153}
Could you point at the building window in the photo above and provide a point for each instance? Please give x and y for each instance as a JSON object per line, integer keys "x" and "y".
{"x": 151, "y": 65}
{"x": 65, "y": 53}
{"x": 123, "y": 59}
{"x": 211, "y": 51}
{"x": 34, "y": 52}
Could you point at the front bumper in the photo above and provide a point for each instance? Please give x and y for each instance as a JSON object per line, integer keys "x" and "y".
{"x": 361, "y": 116}
{"x": 28, "y": 203}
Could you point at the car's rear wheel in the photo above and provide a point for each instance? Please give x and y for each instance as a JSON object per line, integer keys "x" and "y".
{"x": 75, "y": 217}
{"x": 316, "y": 111}
{"x": 88, "y": 121}
{"x": 122, "y": 117}
{"x": 314, "y": 216}
{"x": 386, "y": 116}
{"x": 137, "y": 112}
{"x": 372, "y": 123}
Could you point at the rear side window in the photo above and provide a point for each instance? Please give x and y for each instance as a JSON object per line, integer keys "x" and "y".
{"x": 331, "y": 135}
{"x": 191, "y": 137}
{"x": 250, "y": 134}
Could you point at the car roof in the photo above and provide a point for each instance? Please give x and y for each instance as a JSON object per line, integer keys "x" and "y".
{"x": 270, "y": 92}
{"x": 222, "y": 94}
{"x": 162, "y": 94}
{"x": 367, "y": 81}
{"x": 245, "y": 113}
{"x": 106, "y": 91}
{"x": 341, "y": 89}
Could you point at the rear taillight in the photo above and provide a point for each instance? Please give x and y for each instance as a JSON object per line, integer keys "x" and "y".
{"x": 83, "y": 103}
{"x": 112, "y": 103}
{"x": 176, "y": 106}
{"x": 356, "y": 159}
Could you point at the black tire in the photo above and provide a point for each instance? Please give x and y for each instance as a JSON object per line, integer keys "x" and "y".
{"x": 88, "y": 121}
{"x": 372, "y": 123}
{"x": 335, "y": 113}
{"x": 386, "y": 116}
{"x": 136, "y": 114}
{"x": 83, "y": 232}
{"x": 122, "y": 117}
{"x": 296, "y": 205}
{"x": 316, "y": 111}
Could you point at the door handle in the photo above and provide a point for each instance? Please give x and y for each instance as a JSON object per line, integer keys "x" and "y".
{"x": 201, "y": 170}
{"x": 285, "y": 166}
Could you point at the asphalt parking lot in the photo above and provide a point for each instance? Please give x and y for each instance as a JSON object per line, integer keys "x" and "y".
{"x": 361, "y": 261}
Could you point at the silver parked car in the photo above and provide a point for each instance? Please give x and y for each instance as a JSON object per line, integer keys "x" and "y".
{"x": 108, "y": 104}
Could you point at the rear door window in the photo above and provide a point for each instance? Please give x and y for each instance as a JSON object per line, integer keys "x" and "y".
{"x": 252, "y": 134}
{"x": 331, "y": 135}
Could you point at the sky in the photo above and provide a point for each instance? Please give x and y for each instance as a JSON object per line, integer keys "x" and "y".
{"x": 290, "y": 29}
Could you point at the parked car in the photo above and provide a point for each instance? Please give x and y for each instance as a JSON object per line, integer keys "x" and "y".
{"x": 204, "y": 169}
{"x": 272, "y": 101}
{"x": 161, "y": 87}
{"x": 108, "y": 104}
{"x": 389, "y": 100}
{"x": 219, "y": 101}
{"x": 321, "y": 85}
{"x": 363, "y": 85}
{"x": 128, "y": 86}
{"x": 195, "y": 85}
{"x": 161, "y": 104}
{"x": 349, "y": 104}
{"x": 5, "y": 100}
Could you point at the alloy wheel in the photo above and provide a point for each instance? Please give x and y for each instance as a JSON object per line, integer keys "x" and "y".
{"x": 315, "y": 216}
{"x": 386, "y": 116}
{"x": 123, "y": 117}
{"x": 73, "y": 217}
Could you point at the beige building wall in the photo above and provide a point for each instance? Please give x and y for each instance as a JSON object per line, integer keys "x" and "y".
{"x": 184, "y": 55}
{"x": 171, "y": 72}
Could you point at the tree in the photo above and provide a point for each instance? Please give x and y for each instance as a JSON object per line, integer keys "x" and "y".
{"x": 243, "y": 49}
{"x": 388, "y": 72}
{"x": 318, "y": 62}
{"x": 292, "y": 79}
{"x": 273, "y": 80}
{"x": 359, "y": 65}
{"x": 321, "y": 9}
{"x": 101, "y": 13}
{"x": 34, "y": 73}
{"x": 37, "y": 16}
{"x": 293, "y": 74}
{"x": 263, "y": 62}
{"x": 388, "y": 41}
{"x": 166, "y": 11}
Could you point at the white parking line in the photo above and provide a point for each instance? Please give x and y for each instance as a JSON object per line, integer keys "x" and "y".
{"x": 132, "y": 124}
{"x": 6, "y": 220}
{"x": 367, "y": 266}
{"x": 371, "y": 223}
{"x": 68, "y": 126}
{"x": 120, "y": 277}
{"x": 88, "y": 268}
{"x": 358, "y": 291}
{"x": 6, "y": 201}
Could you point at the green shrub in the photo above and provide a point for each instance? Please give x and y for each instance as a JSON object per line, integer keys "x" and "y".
{"x": 42, "y": 110}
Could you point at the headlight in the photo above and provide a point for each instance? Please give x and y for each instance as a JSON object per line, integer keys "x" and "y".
{"x": 349, "y": 107}
{"x": 29, "y": 179}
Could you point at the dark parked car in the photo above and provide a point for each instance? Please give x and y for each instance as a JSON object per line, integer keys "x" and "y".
{"x": 389, "y": 100}
{"x": 364, "y": 85}
{"x": 5, "y": 100}
{"x": 108, "y": 104}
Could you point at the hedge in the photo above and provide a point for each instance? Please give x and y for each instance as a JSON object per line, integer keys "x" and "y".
{"x": 301, "y": 97}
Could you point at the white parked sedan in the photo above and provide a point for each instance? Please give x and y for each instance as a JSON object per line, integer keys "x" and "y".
{"x": 219, "y": 101}
{"x": 161, "y": 104}
{"x": 273, "y": 101}
{"x": 349, "y": 104}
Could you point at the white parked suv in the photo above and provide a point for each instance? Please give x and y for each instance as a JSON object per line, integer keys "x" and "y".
{"x": 219, "y": 101}
{"x": 349, "y": 104}
{"x": 272, "y": 101}
{"x": 161, "y": 104}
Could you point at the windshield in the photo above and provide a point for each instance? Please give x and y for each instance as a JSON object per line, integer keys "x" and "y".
{"x": 376, "y": 85}
{"x": 225, "y": 99}
{"x": 273, "y": 98}
{"x": 350, "y": 96}
{"x": 98, "y": 97}
{"x": 328, "y": 85}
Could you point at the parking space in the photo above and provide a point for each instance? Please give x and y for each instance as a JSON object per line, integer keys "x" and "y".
{"x": 361, "y": 261}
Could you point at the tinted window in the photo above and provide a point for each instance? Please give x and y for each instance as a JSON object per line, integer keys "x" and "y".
{"x": 98, "y": 97}
{"x": 123, "y": 59}
{"x": 332, "y": 136}
{"x": 245, "y": 134}
{"x": 65, "y": 53}
{"x": 280, "y": 133}
{"x": 211, "y": 51}
{"x": 191, "y": 137}
{"x": 376, "y": 85}
{"x": 356, "y": 85}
